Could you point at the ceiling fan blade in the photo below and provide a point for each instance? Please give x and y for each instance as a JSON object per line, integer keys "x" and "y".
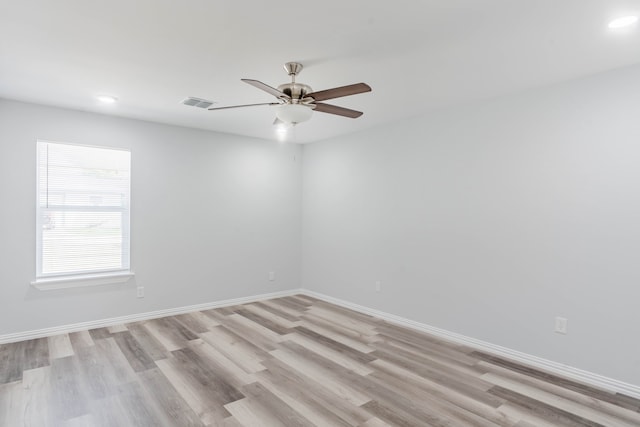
{"x": 334, "y": 109}
{"x": 245, "y": 105}
{"x": 265, "y": 87}
{"x": 339, "y": 92}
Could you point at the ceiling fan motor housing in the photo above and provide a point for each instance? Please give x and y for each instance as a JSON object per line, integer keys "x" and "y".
{"x": 297, "y": 91}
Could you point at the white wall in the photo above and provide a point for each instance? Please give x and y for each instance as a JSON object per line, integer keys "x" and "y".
{"x": 491, "y": 220}
{"x": 212, "y": 214}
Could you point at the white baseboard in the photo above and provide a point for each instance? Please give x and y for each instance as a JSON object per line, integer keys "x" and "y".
{"x": 65, "y": 329}
{"x": 569, "y": 372}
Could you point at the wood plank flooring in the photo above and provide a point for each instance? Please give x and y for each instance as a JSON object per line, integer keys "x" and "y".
{"x": 293, "y": 361}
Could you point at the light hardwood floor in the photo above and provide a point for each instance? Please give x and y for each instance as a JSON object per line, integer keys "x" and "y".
{"x": 293, "y": 361}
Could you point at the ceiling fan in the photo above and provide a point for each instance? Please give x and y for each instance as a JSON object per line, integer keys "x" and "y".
{"x": 296, "y": 101}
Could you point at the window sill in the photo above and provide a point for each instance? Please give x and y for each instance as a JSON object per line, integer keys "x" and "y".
{"x": 64, "y": 282}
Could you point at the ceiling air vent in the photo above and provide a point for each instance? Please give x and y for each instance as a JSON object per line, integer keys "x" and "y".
{"x": 197, "y": 102}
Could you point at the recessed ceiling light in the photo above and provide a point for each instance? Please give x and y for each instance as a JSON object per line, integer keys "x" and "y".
{"x": 106, "y": 99}
{"x": 625, "y": 21}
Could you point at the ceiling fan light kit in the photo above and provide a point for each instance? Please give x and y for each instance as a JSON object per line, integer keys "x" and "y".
{"x": 296, "y": 101}
{"x": 293, "y": 113}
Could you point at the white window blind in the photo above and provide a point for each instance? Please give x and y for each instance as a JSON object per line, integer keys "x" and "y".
{"x": 83, "y": 210}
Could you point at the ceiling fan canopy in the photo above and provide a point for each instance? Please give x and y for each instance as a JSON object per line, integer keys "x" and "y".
{"x": 296, "y": 101}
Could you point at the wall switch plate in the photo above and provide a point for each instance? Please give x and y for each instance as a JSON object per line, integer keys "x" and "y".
{"x": 378, "y": 286}
{"x": 561, "y": 325}
{"x": 272, "y": 276}
{"x": 140, "y": 292}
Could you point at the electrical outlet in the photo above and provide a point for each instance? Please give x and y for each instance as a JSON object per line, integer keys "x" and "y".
{"x": 140, "y": 292}
{"x": 378, "y": 286}
{"x": 272, "y": 276}
{"x": 561, "y": 325}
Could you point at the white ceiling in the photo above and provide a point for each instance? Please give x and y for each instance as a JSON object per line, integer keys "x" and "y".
{"x": 417, "y": 55}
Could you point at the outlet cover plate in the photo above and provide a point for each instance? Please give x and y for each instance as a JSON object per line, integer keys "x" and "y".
{"x": 561, "y": 325}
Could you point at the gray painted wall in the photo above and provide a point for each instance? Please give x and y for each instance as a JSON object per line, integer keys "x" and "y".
{"x": 488, "y": 220}
{"x": 491, "y": 220}
{"x": 212, "y": 214}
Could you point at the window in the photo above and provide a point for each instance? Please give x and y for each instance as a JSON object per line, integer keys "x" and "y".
{"x": 82, "y": 225}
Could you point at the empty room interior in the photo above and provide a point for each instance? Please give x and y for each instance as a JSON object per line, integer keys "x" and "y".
{"x": 418, "y": 213}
